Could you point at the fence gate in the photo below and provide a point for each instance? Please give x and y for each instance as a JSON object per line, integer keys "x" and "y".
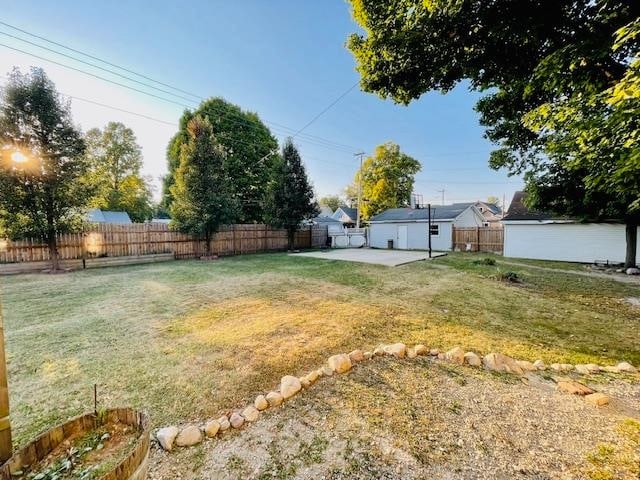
{"x": 478, "y": 239}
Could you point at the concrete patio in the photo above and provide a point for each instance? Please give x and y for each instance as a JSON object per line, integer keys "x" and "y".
{"x": 388, "y": 258}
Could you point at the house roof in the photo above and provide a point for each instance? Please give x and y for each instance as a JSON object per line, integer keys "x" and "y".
{"x": 438, "y": 212}
{"x": 352, "y": 213}
{"x": 495, "y": 209}
{"x": 325, "y": 219}
{"x": 519, "y": 211}
{"x": 106, "y": 216}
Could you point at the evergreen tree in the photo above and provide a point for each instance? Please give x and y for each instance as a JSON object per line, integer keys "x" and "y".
{"x": 202, "y": 195}
{"x": 290, "y": 194}
{"x": 42, "y": 164}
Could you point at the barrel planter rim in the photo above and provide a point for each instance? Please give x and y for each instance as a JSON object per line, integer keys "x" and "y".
{"x": 133, "y": 466}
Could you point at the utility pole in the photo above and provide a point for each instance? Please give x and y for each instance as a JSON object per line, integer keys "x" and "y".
{"x": 442, "y": 192}
{"x": 358, "y": 207}
{"x": 429, "y": 227}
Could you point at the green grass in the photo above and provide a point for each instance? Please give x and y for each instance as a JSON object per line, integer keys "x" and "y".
{"x": 190, "y": 339}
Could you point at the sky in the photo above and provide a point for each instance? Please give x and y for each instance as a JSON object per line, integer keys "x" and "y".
{"x": 285, "y": 60}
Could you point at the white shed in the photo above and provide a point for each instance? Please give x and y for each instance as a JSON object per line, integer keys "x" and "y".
{"x": 538, "y": 235}
{"x": 408, "y": 227}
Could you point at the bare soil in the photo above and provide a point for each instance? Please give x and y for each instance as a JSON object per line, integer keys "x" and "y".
{"x": 419, "y": 419}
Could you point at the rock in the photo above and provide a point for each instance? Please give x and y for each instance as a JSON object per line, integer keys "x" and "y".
{"x": 289, "y": 386}
{"x": 421, "y": 349}
{"x": 411, "y": 353}
{"x": 587, "y": 369}
{"x": 312, "y": 376}
{"x": 526, "y": 365}
{"x": 320, "y": 372}
{"x": 398, "y": 350}
{"x": 632, "y": 271}
{"x": 339, "y": 363}
{"x": 189, "y": 436}
{"x": 539, "y": 364}
{"x": 166, "y": 437}
{"x": 356, "y": 356}
{"x": 224, "y": 423}
{"x": 572, "y": 387}
{"x": 441, "y": 356}
{"x": 434, "y": 352}
{"x": 502, "y": 363}
{"x": 367, "y": 355}
{"x": 261, "y": 403}
{"x": 236, "y": 420}
{"x": 455, "y": 355}
{"x": 304, "y": 381}
{"x": 598, "y": 399}
{"x": 378, "y": 351}
{"x": 327, "y": 371}
{"x": 211, "y": 428}
{"x": 275, "y": 399}
{"x": 250, "y": 413}
{"x": 561, "y": 367}
{"x": 626, "y": 367}
{"x": 470, "y": 358}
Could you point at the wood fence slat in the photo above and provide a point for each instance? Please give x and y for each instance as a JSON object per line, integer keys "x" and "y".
{"x": 478, "y": 239}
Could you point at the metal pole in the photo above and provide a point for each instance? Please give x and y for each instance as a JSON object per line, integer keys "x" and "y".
{"x": 429, "y": 236}
{"x": 359, "y": 154}
{"x": 6, "y": 448}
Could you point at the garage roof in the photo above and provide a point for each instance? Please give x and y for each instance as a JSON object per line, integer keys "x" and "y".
{"x": 438, "y": 212}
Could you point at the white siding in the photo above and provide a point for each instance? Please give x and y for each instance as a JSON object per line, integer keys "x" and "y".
{"x": 566, "y": 242}
{"x": 469, "y": 218}
{"x": 379, "y": 233}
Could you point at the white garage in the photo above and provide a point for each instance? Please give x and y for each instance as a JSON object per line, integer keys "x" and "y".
{"x": 539, "y": 236}
{"x": 407, "y": 228}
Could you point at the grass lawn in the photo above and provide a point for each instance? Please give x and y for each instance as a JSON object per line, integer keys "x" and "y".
{"x": 189, "y": 339}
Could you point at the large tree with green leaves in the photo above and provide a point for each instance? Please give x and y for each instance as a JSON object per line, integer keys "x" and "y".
{"x": 248, "y": 144}
{"x": 289, "y": 199}
{"x": 43, "y": 164}
{"x": 115, "y": 160}
{"x": 387, "y": 179}
{"x": 203, "y": 199}
{"x": 533, "y": 59}
{"x": 332, "y": 202}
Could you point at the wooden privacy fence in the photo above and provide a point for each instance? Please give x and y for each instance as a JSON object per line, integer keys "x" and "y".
{"x": 139, "y": 239}
{"x": 478, "y": 239}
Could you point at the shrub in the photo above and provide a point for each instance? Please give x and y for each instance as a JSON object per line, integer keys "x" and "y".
{"x": 484, "y": 261}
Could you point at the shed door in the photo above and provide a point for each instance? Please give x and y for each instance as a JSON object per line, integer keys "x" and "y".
{"x": 402, "y": 237}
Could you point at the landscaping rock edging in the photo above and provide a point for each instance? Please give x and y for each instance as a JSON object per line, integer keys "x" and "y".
{"x": 342, "y": 363}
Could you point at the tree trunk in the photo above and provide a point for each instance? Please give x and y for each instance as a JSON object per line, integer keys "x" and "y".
{"x": 207, "y": 244}
{"x": 52, "y": 241}
{"x": 291, "y": 235}
{"x": 632, "y": 242}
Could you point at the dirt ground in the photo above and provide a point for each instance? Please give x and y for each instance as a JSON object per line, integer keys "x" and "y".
{"x": 421, "y": 418}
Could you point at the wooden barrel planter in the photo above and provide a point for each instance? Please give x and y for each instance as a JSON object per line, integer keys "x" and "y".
{"x": 133, "y": 467}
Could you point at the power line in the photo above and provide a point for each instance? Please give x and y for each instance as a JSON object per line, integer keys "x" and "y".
{"x": 99, "y": 59}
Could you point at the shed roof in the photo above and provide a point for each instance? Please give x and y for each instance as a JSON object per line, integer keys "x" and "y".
{"x": 438, "y": 212}
{"x": 106, "y": 216}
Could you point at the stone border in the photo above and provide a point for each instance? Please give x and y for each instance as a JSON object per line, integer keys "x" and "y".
{"x": 133, "y": 467}
{"x": 290, "y": 386}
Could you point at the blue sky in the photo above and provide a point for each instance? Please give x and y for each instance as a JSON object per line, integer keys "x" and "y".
{"x": 285, "y": 60}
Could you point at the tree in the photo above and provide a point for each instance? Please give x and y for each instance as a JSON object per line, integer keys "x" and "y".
{"x": 43, "y": 162}
{"x": 494, "y": 200}
{"x": 289, "y": 199}
{"x": 332, "y": 201}
{"x": 247, "y": 143}
{"x": 387, "y": 179}
{"x": 528, "y": 57}
{"x": 202, "y": 196}
{"x": 116, "y": 159}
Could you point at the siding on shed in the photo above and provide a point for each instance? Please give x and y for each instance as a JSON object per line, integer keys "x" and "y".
{"x": 380, "y": 233}
{"x": 570, "y": 242}
{"x": 469, "y": 218}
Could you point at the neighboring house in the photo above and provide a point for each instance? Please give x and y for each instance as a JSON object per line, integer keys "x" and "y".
{"x": 325, "y": 211}
{"x": 539, "y": 235}
{"x": 408, "y": 228}
{"x": 165, "y": 221}
{"x": 348, "y": 216}
{"x": 96, "y": 215}
{"x": 491, "y": 212}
